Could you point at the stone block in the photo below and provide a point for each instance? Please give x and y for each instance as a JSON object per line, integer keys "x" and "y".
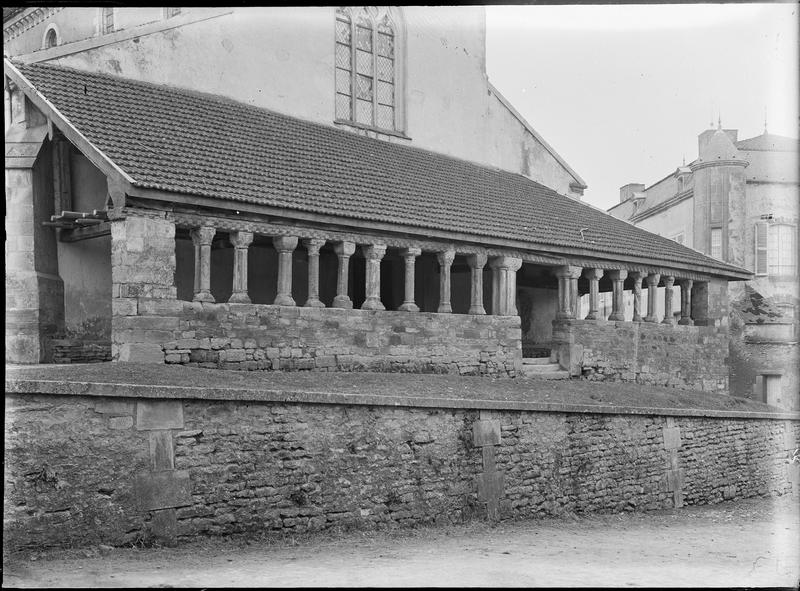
{"x": 162, "y": 490}
{"x": 490, "y": 486}
{"x": 672, "y": 437}
{"x": 159, "y": 414}
{"x": 164, "y": 527}
{"x": 124, "y": 307}
{"x": 673, "y": 480}
{"x": 162, "y": 456}
{"x": 114, "y": 406}
{"x": 120, "y": 423}
{"x": 485, "y": 432}
{"x": 140, "y": 352}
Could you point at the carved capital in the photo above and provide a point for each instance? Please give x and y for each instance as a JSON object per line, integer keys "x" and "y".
{"x": 241, "y": 239}
{"x": 652, "y": 280}
{"x": 204, "y": 235}
{"x": 446, "y": 257}
{"x": 568, "y": 271}
{"x": 669, "y": 281}
{"x": 686, "y": 284}
{"x": 595, "y": 274}
{"x": 284, "y": 243}
{"x": 411, "y": 251}
{"x": 637, "y": 277}
{"x": 477, "y": 260}
{"x": 618, "y": 275}
{"x": 344, "y": 248}
{"x": 374, "y": 252}
{"x": 313, "y": 245}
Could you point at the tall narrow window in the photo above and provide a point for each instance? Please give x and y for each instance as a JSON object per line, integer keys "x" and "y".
{"x": 108, "y": 19}
{"x": 716, "y": 243}
{"x": 51, "y": 39}
{"x": 782, "y": 249}
{"x": 366, "y": 86}
{"x": 761, "y": 248}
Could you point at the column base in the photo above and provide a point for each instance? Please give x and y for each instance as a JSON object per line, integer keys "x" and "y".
{"x": 637, "y": 318}
{"x": 668, "y": 321}
{"x": 409, "y": 307}
{"x": 239, "y": 298}
{"x": 686, "y": 322}
{"x": 372, "y": 304}
{"x": 313, "y": 303}
{"x": 343, "y": 301}
{"x": 652, "y": 319}
{"x": 617, "y": 317}
{"x": 444, "y": 309}
{"x": 284, "y": 300}
{"x": 477, "y": 311}
{"x": 592, "y": 316}
{"x": 204, "y": 296}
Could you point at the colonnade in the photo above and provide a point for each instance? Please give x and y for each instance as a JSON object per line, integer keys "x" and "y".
{"x": 503, "y": 268}
{"x": 568, "y": 294}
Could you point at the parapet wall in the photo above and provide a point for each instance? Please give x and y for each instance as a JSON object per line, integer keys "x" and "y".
{"x": 686, "y": 357}
{"x": 268, "y": 337}
{"x": 120, "y": 470}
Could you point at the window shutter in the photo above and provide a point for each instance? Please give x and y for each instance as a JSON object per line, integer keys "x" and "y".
{"x": 761, "y": 248}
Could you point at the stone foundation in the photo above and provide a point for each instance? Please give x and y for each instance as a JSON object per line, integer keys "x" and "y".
{"x": 86, "y": 470}
{"x": 686, "y": 357}
{"x": 80, "y": 351}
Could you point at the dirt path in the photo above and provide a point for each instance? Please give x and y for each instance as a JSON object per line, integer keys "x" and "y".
{"x": 747, "y": 543}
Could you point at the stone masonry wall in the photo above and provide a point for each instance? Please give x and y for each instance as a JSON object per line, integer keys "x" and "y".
{"x": 87, "y": 470}
{"x": 80, "y": 351}
{"x": 266, "y": 337}
{"x": 686, "y": 357}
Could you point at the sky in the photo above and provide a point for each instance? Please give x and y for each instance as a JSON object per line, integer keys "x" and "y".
{"x": 621, "y": 92}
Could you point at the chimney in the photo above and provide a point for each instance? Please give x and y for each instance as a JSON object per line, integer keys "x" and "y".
{"x": 627, "y": 191}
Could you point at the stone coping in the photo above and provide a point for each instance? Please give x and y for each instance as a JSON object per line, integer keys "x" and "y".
{"x": 141, "y": 380}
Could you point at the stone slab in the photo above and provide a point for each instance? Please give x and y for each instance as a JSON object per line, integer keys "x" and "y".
{"x": 490, "y": 486}
{"x": 159, "y": 414}
{"x": 673, "y": 480}
{"x": 485, "y": 433}
{"x": 164, "y": 526}
{"x": 162, "y": 455}
{"x": 114, "y": 407}
{"x": 162, "y": 490}
{"x": 489, "y": 459}
{"x": 120, "y": 423}
{"x": 672, "y": 437}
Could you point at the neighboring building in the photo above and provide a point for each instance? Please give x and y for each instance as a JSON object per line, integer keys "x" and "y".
{"x": 739, "y": 202}
{"x": 227, "y": 187}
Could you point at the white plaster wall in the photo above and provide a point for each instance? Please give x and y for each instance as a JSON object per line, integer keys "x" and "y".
{"x": 672, "y": 221}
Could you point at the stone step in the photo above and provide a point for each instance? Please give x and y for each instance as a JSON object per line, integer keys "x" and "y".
{"x": 536, "y": 360}
{"x": 541, "y": 368}
{"x": 545, "y": 375}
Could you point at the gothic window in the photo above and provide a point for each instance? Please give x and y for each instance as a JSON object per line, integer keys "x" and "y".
{"x": 107, "y": 22}
{"x": 366, "y": 68}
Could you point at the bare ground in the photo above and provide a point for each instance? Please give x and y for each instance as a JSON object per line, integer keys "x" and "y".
{"x": 754, "y": 542}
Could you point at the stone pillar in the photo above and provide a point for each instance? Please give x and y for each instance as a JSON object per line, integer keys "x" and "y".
{"x": 504, "y": 285}
{"x": 343, "y": 250}
{"x": 669, "y": 281}
{"x": 445, "y": 259}
{"x": 196, "y": 243}
{"x": 637, "y": 295}
{"x": 567, "y": 283}
{"x": 700, "y": 304}
{"x": 686, "y": 302}
{"x": 312, "y": 246}
{"x": 204, "y": 236}
{"x": 285, "y": 245}
{"x": 594, "y": 276}
{"x": 374, "y": 254}
{"x": 617, "y": 302}
{"x": 573, "y": 292}
{"x": 410, "y": 257}
{"x": 652, "y": 293}
{"x": 241, "y": 242}
{"x": 476, "y": 264}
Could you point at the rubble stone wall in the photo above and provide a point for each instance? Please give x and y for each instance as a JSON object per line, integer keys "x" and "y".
{"x": 685, "y": 357}
{"x": 84, "y": 470}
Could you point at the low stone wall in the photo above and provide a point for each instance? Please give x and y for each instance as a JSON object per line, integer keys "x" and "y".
{"x": 80, "y": 351}
{"x": 86, "y": 470}
{"x": 267, "y": 337}
{"x": 686, "y": 357}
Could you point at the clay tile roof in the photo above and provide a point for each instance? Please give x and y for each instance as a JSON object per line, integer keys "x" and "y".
{"x": 182, "y": 141}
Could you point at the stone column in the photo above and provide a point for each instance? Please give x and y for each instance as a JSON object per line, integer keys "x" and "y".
{"x": 476, "y": 264}
{"x": 312, "y": 246}
{"x": 637, "y": 295}
{"x": 573, "y": 292}
{"x": 445, "y": 259}
{"x": 196, "y": 242}
{"x": 669, "y": 281}
{"x": 285, "y": 245}
{"x": 205, "y": 235}
{"x": 504, "y": 285}
{"x": 686, "y": 302}
{"x": 617, "y": 302}
{"x": 567, "y": 283}
{"x": 241, "y": 241}
{"x": 594, "y": 276}
{"x": 652, "y": 292}
{"x": 343, "y": 250}
{"x": 410, "y": 257}
{"x": 374, "y": 254}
